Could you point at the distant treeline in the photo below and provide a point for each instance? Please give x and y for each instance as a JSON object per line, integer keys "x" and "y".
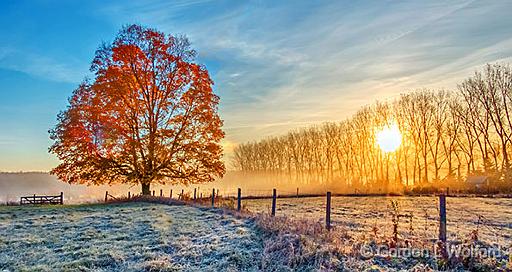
{"x": 446, "y": 137}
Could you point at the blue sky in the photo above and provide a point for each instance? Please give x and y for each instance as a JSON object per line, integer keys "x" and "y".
{"x": 276, "y": 66}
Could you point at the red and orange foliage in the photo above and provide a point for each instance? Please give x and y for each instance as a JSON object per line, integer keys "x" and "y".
{"x": 149, "y": 115}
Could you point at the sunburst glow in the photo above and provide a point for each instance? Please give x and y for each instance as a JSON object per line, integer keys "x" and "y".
{"x": 389, "y": 138}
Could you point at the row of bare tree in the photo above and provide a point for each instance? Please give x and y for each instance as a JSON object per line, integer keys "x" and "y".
{"x": 446, "y": 135}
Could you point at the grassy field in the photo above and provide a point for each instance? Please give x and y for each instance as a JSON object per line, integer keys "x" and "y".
{"x": 142, "y": 236}
{"x": 487, "y": 218}
{"x": 126, "y": 237}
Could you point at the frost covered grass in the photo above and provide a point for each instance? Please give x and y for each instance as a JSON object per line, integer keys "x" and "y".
{"x": 488, "y": 218}
{"x": 126, "y": 237}
{"x": 304, "y": 245}
{"x": 170, "y": 235}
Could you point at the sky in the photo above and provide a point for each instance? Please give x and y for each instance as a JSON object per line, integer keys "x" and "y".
{"x": 277, "y": 65}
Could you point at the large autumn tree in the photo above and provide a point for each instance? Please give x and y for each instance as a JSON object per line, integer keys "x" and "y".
{"x": 149, "y": 115}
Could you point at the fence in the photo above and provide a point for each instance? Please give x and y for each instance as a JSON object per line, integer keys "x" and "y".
{"x": 42, "y": 199}
{"x": 328, "y": 195}
{"x": 429, "y": 226}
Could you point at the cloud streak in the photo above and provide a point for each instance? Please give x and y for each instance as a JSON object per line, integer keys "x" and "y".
{"x": 279, "y": 66}
{"x": 41, "y": 66}
{"x": 282, "y": 67}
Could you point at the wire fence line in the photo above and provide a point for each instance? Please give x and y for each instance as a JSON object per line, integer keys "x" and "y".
{"x": 417, "y": 219}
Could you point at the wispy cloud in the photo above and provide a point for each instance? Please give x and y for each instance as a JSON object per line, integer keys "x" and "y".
{"x": 279, "y": 66}
{"x": 42, "y": 66}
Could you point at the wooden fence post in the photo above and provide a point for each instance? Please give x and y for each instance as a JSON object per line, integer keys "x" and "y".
{"x": 61, "y": 198}
{"x": 274, "y": 196}
{"x": 153, "y": 192}
{"x": 328, "y": 212}
{"x": 106, "y": 195}
{"x": 213, "y": 198}
{"x": 182, "y": 198}
{"x": 442, "y": 223}
{"x": 239, "y": 203}
{"x": 442, "y": 217}
{"x": 129, "y": 194}
{"x": 297, "y": 192}
{"x": 171, "y": 194}
{"x": 195, "y": 191}
{"x": 161, "y": 192}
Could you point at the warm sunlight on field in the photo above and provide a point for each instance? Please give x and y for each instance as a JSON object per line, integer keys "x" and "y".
{"x": 389, "y": 138}
{"x": 255, "y": 136}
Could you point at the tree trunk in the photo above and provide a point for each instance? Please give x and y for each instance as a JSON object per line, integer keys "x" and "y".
{"x": 146, "y": 188}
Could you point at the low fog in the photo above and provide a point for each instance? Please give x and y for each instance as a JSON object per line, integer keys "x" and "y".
{"x": 15, "y": 185}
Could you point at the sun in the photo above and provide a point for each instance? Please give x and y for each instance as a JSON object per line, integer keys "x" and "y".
{"x": 389, "y": 138}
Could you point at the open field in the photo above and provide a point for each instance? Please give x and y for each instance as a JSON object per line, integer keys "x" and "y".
{"x": 141, "y": 236}
{"x": 490, "y": 217}
{"x": 126, "y": 237}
